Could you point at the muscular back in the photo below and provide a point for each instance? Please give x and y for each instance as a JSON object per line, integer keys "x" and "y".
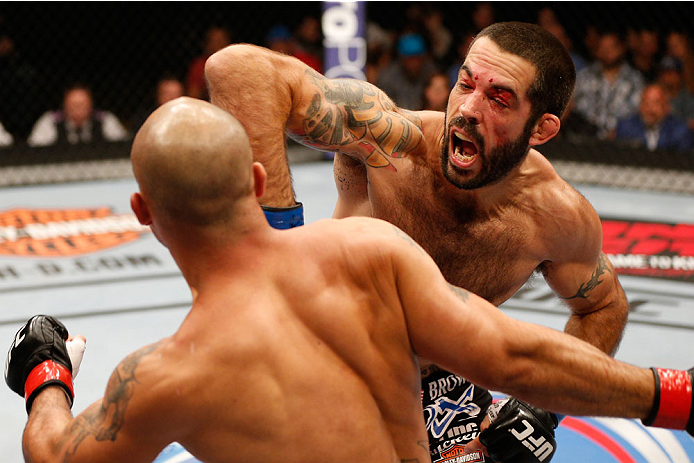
{"x": 306, "y": 356}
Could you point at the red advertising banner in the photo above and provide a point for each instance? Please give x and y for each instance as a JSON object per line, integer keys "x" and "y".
{"x": 652, "y": 249}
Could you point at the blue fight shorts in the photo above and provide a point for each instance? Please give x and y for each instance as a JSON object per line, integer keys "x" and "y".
{"x": 284, "y": 218}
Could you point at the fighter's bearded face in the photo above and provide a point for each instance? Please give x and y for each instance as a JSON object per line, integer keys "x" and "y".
{"x": 488, "y": 126}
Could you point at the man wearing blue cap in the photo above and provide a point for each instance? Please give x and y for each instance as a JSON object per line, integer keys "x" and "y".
{"x": 404, "y": 79}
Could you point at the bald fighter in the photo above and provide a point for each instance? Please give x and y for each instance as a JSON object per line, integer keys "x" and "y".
{"x": 300, "y": 345}
{"x": 468, "y": 185}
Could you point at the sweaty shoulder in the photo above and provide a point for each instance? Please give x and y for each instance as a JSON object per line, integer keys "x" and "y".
{"x": 356, "y": 230}
{"x": 565, "y": 218}
{"x": 365, "y": 237}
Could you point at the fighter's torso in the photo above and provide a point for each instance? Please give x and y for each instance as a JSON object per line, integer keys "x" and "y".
{"x": 490, "y": 255}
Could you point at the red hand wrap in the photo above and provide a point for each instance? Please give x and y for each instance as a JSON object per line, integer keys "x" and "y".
{"x": 675, "y": 399}
{"x": 48, "y": 371}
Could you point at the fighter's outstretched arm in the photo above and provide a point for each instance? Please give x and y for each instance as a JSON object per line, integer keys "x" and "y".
{"x": 547, "y": 368}
{"x": 114, "y": 428}
{"x": 271, "y": 93}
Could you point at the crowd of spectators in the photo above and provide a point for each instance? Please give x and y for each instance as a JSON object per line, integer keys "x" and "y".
{"x": 634, "y": 86}
{"x": 80, "y": 119}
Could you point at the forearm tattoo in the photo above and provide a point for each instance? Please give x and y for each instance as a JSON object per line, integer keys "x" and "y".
{"x": 594, "y": 281}
{"x": 354, "y": 117}
{"x": 104, "y": 421}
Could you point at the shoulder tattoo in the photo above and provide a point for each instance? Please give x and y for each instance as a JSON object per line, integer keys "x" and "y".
{"x": 405, "y": 237}
{"x": 461, "y": 293}
{"x": 352, "y": 112}
{"x": 594, "y": 280}
{"x": 103, "y": 421}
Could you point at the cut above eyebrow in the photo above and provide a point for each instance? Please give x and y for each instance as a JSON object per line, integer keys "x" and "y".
{"x": 504, "y": 88}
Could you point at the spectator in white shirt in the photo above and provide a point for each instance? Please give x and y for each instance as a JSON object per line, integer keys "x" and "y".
{"x": 77, "y": 122}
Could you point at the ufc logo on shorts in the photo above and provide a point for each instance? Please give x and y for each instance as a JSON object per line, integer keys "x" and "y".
{"x": 540, "y": 447}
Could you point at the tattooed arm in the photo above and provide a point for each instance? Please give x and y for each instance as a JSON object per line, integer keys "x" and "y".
{"x": 355, "y": 118}
{"x": 582, "y": 276}
{"x": 123, "y": 423}
{"x": 271, "y": 93}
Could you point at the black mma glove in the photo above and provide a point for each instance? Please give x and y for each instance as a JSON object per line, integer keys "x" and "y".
{"x": 673, "y": 405}
{"x": 38, "y": 357}
{"x": 519, "y": 433}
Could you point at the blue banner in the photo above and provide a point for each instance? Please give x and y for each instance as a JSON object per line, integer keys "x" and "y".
{"x": 344, "y": 29}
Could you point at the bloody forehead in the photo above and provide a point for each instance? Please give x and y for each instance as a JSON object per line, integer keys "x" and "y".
{"x": 497, "y": 87}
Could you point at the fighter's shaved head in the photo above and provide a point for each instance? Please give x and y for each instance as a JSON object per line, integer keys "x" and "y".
{"x": 193, "y": 162}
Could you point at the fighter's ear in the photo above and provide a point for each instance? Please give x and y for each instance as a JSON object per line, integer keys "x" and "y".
{"x": 259, "y": 179}
{"x": 545, "y": 129}
{"x": 140, "y": 208}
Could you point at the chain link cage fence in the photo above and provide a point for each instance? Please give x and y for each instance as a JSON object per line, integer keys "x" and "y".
{"x": 121, "y": 51}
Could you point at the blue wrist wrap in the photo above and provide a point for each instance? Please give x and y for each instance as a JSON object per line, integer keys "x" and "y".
{"x": 284, "y": 218}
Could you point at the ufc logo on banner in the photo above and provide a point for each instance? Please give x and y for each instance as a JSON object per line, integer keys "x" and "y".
{"x": 540, "y": 447}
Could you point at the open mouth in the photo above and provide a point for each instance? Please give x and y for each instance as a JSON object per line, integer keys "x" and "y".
{"x": 464, "y": 150}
